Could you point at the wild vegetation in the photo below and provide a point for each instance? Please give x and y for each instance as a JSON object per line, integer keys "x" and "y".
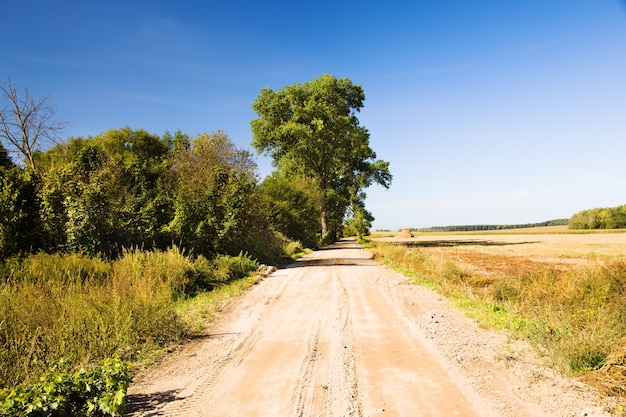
{"x": 63, "y": 309}
{"x": 128, "y": 188}
{"x": 574, "y": 312}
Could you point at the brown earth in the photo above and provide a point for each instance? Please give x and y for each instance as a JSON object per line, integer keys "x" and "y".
{"x": 335, "y": 334}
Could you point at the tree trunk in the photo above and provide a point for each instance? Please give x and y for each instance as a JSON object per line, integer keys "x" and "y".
{"x": 324, "y": 216}
{"x": 324, "y": 210}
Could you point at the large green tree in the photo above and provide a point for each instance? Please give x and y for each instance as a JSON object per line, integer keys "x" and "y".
{"x": 312, "y": 128}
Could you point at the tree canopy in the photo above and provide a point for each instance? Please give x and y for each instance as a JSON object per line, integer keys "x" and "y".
{"x": 125, "y": 188}
{"x": 599, "y": 218}
{"x": 312, "y": 129}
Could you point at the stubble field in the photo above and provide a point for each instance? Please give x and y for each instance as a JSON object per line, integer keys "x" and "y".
{"x": 563, "y": 291}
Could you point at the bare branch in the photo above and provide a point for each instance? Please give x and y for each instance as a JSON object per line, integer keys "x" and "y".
{"x": 26, "y": 124}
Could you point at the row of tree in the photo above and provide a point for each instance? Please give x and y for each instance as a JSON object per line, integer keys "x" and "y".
{"x": 488, "y": 227}
{"x": 129, "y": 188}
{"x": 599, "y": 218}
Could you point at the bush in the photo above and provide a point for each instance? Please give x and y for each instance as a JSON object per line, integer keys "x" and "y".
{"x": 236, "y": 267}
{"x": 100, "y": 391}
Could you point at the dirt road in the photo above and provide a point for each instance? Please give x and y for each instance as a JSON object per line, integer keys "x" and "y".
{"x": 337, "y": 335}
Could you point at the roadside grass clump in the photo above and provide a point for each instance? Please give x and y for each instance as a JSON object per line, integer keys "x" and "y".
{"x": 293, "y": 249}
{"x": 80, "y": 309}
{"x": 576, "y": 315}
{"x": 197, "y": 311}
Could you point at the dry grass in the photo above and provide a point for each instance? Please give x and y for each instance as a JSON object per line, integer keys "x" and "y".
{"x": 83, "y": 309}
{"x": 564, "y": 292}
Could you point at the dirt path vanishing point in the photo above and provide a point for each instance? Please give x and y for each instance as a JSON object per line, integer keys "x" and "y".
{"x": 335, "y": 334}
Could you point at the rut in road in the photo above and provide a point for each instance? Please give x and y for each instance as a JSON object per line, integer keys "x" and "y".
{"x": 329, "y": 335}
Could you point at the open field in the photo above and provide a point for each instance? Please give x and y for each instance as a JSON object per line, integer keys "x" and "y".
{"x": 553, "y": 243}
{"x": 565, "y": 292}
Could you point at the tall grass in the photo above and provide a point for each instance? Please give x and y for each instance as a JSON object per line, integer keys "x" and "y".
{"x": 575, "y": 315}
{"x": 85, "y": 309}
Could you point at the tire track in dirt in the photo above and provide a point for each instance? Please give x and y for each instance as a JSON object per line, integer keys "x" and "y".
{"x": 329, "y": 385}
{"x": 184, "y": 382}
{"x": 337, "y": 335}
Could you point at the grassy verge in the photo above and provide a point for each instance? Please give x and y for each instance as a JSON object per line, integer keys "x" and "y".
{"x": 81, "y": 310}
{"x": 576, "y": 315}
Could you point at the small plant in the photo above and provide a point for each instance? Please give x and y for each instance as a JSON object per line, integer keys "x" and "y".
{"x": 96, "y": 392}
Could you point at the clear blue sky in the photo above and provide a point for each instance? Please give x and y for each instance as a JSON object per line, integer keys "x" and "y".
{"x": 489, "y": 111}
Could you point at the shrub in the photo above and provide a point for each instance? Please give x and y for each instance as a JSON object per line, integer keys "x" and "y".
{"x": 99, "y": 391}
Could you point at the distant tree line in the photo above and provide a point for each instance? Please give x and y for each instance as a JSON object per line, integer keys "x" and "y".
{"x": 599, "y": 218}
{"x": 487, "y": 227}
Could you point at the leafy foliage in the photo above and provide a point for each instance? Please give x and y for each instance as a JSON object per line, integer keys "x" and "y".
{"x": 292, "y": 205}
{"x": 5, "y": 159}
{"x": 20, "y": 225}
{"x": 312, "y": 129}
{"x": 599, "y": 218}
{"x": 100, "y": 391}
{"x": 127, "y": 188}
{"x": 105, "y": 194}
{"x": 214, "y": 208}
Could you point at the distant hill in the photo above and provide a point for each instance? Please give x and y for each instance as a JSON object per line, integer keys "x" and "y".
{"x": 484, "y": 227}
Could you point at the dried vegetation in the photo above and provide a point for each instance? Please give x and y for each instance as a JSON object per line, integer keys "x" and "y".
{"x": 564, "y": 293}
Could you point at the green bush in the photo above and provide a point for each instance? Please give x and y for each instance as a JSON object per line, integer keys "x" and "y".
{"x": 100, "y": 391}
{"x": 236, "y": 266}
{"x": 599, "y": 218}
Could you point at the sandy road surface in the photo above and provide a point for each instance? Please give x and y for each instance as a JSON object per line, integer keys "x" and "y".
{"x": 337, "y": 335}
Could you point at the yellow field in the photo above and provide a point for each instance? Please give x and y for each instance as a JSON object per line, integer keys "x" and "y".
{"x": 552, "y": 244}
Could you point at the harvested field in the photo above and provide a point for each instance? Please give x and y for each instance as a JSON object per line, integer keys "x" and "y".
{"x": 564, "y": 292}
{"x": 550, "y": 244}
